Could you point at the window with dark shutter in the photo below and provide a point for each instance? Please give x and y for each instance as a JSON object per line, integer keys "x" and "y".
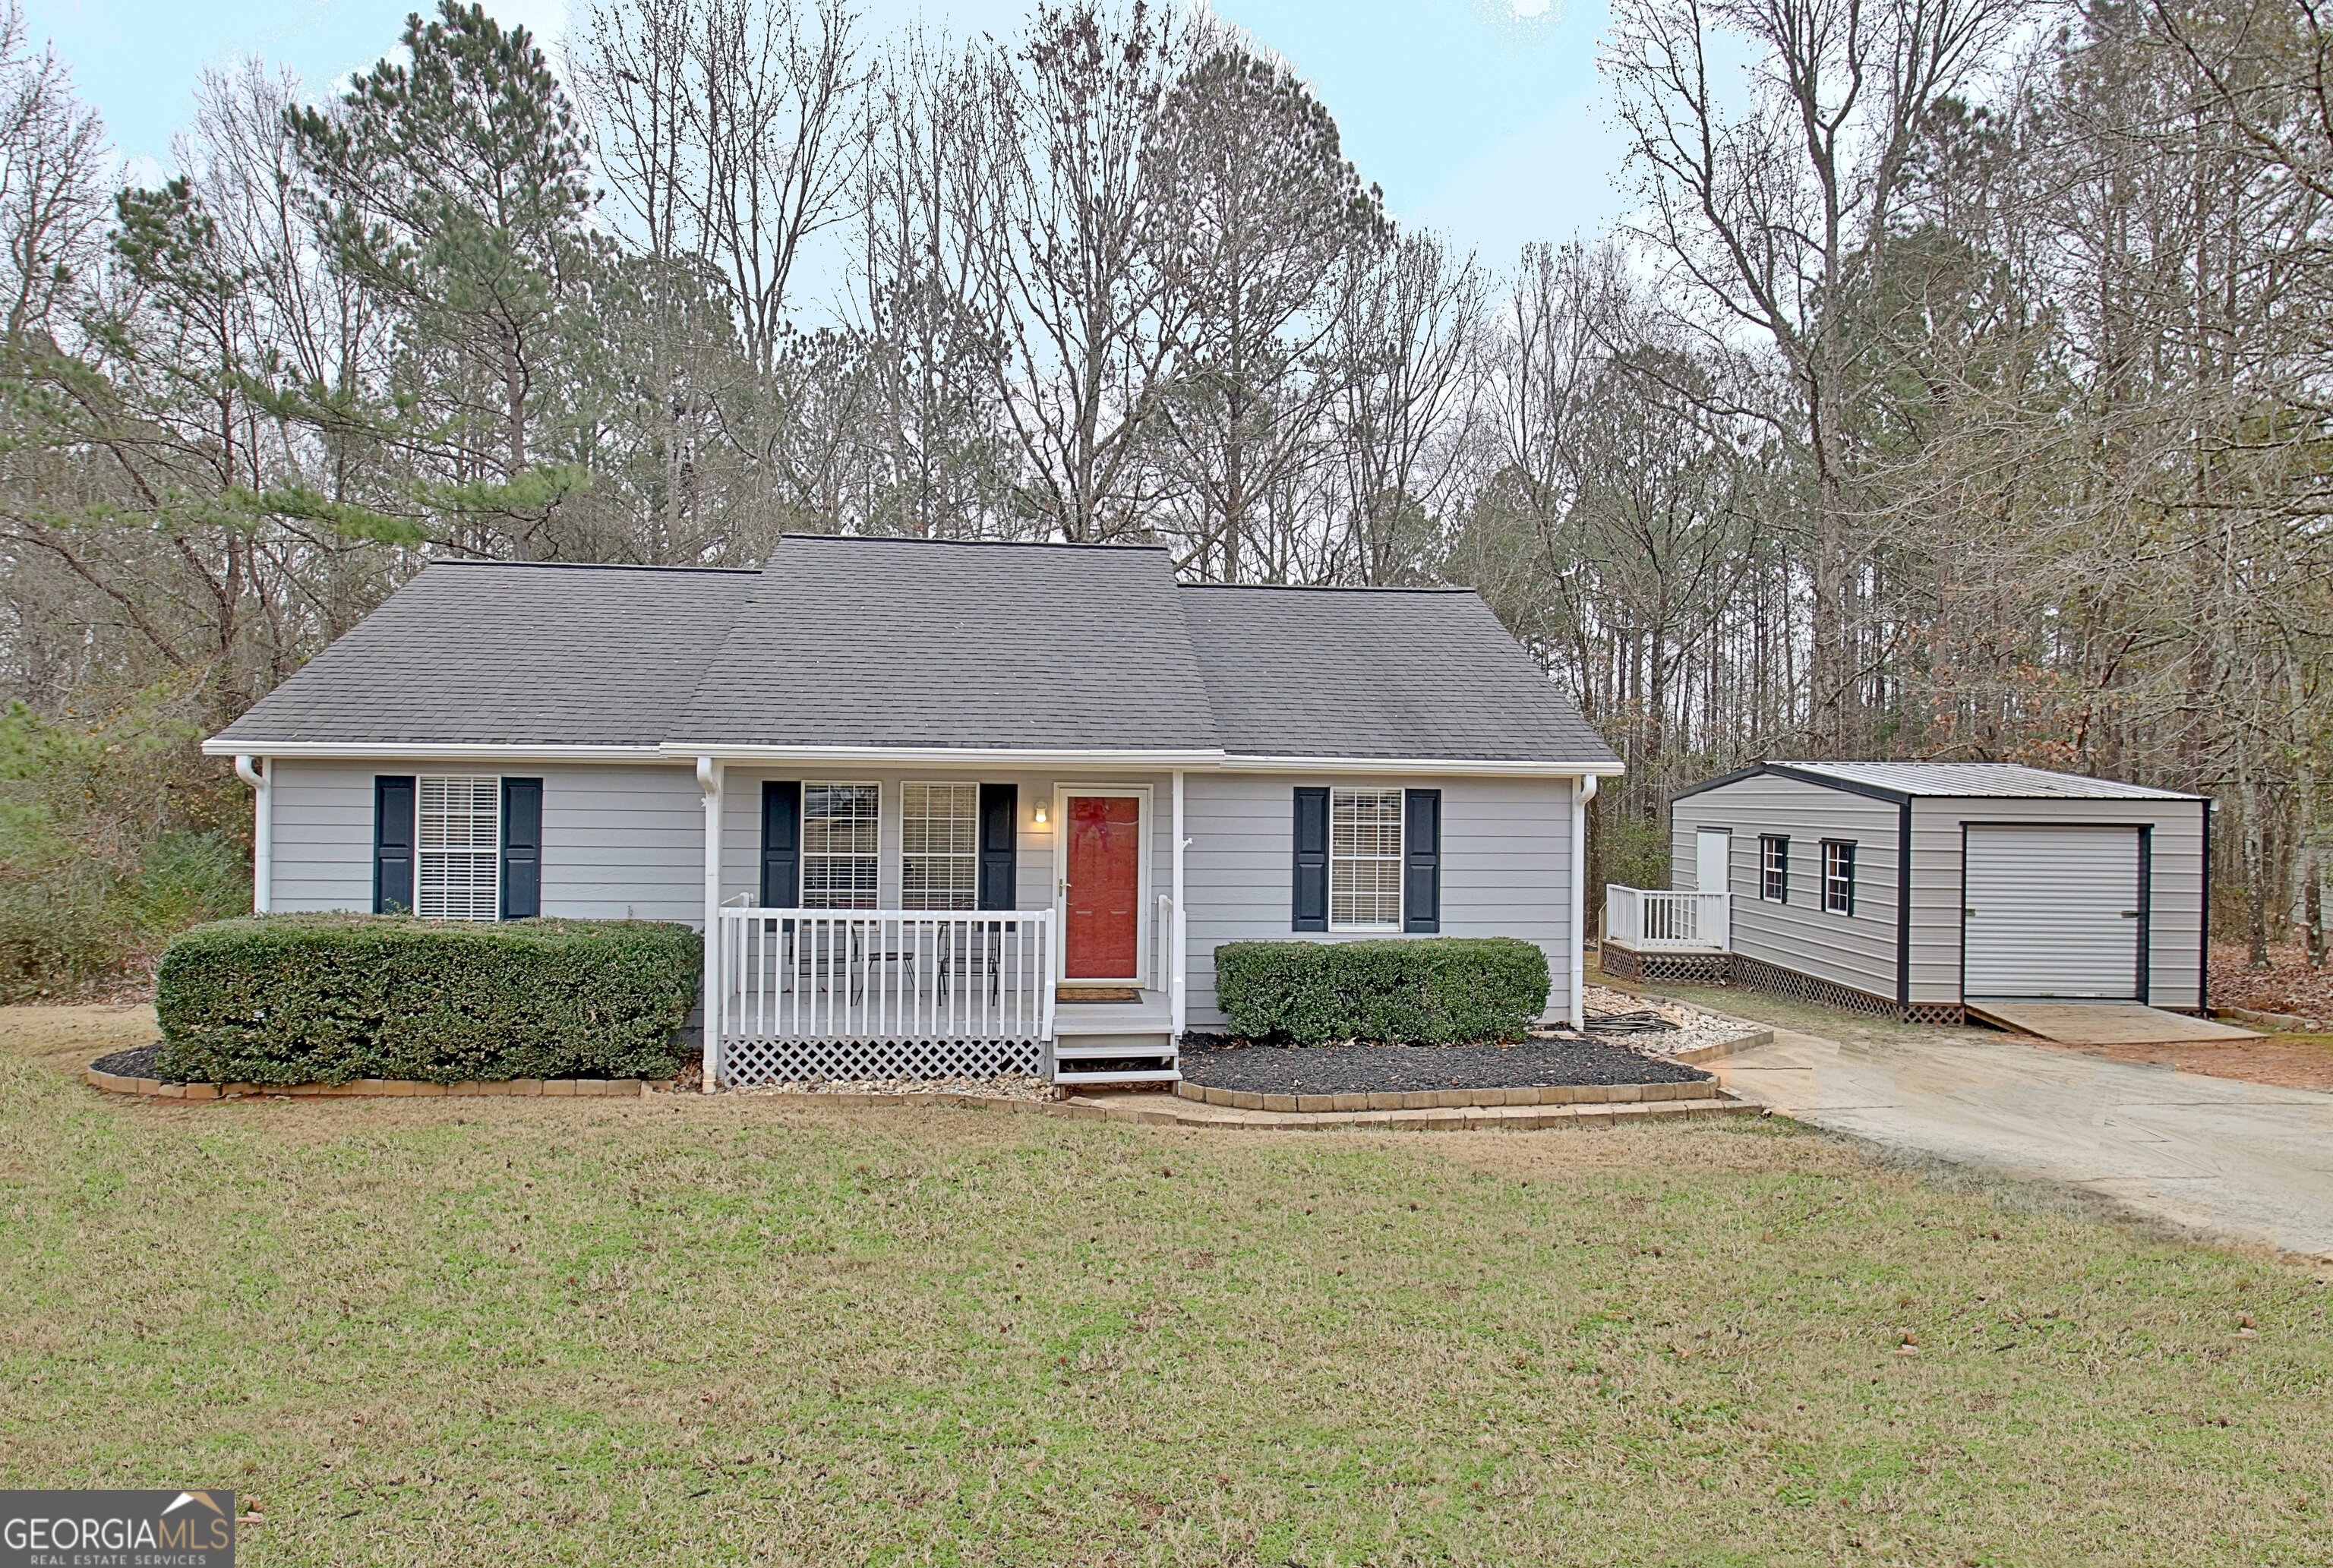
{"x": 781, "y": 844}
{"x": 1309, "y": 906}
{"x": 392, "y": 846}
{"x": 522, "y": 849}
{"x": 1000, "y": 825}
{"x": 1421, "y": 868}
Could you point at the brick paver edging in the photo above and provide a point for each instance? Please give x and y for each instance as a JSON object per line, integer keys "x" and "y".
{"x": 1158, "y": 1110}
{"x": 619, "y": 1088}
{"x": 1455, "y": 1099}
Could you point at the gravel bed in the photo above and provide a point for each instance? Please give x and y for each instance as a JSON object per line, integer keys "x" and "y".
{"x": 1386, "y": 1069}
{"x": 138, "y": 1062}
{"x": 1689, "y": 1028}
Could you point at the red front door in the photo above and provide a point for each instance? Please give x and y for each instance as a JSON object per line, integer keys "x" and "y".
{"x": 1105, "y": 888}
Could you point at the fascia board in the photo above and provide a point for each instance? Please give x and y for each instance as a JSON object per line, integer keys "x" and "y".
{"x": 1443, "y": 765}
{"x": 388, "y": 750}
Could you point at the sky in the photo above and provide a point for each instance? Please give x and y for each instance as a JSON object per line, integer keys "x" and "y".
{"x": 1483, "y": 119}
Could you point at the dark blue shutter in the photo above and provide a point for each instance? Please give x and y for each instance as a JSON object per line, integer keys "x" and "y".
{"x": 781, "y": 844}
{"x": 522, "y": 849}
{"x": 1421, "y": 860}
{"x": 392, "y": 846}
{"x": 1000, "y": 820}
{"x": 1309, "y": 911}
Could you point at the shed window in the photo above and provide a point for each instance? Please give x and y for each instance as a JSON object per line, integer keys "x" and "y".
{"x": 838, "y": 845}
{"x": 1364, "y": 859}
{"x": 1774, "y": 868}
{"x": 939, "y": 846}
{"x": 459, "y": 849}
{"x": 1839, "y": 876}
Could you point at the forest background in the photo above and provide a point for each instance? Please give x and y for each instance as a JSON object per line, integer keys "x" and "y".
{"x": 1957, "y": 388}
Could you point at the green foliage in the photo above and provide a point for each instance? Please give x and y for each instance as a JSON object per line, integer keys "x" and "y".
{"x": 114, "y": 834}
{"x": 1428, "y": 991}
{"x": 327, "y": 999}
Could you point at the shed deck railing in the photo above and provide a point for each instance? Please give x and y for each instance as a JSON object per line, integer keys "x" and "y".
{"x": 1656, "y": 920}
{"x": 825, "y": 995}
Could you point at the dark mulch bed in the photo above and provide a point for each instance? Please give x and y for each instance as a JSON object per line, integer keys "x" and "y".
{"x": 1386, "y": 1069}
{"x": 138, "y": 1062}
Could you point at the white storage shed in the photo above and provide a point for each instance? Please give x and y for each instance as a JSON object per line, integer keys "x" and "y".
{"x": 1911, "y": 889}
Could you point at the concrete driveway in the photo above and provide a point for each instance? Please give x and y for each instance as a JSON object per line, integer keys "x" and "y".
{"x": 2212, "y": 1156}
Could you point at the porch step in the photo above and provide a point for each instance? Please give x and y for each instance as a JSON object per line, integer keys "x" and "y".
{"x": 1074, "y": 1049}
{"x": 1120, "y": 1038}
{"x": 1164, "y": 1075}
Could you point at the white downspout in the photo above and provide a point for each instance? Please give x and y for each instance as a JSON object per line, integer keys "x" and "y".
{"x": 1177, "y": 959}
{"x": 1584, "y": 791}
{"x": 262, "y": 830}
{"x": 708, "y": 779}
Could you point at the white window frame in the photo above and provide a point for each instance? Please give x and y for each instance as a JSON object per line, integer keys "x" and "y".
{"x": 447, "y": 857}
{"x": 966, "y": 863}
{"x": 873, "y": 896}
{"x": 1835, "y": 850}
{"x": 1347, "y": 794}
{"x": 1774, "y": 868}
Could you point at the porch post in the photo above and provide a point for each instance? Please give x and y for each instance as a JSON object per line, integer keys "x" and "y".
{"x": 1178, "y": 959}
{"x": 708, "y": 779}
{"x": 1583, "y": 791}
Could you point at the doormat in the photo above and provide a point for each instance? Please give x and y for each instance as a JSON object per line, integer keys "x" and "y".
{"x": 1097, "y": 993}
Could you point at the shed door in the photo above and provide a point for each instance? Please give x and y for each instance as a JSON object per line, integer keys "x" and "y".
{"x": 1713, "y": 850}
{"x": 2051, "y": 912}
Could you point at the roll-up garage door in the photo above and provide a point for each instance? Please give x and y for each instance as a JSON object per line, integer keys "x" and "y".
{"x": 2051, "y": 912}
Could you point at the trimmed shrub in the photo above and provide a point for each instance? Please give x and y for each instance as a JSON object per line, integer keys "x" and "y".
{"x": 1438, "y": 991}
{"x": 302, "y": 999}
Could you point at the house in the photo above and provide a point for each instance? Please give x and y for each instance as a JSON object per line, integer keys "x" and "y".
{"x": 1926, "y": 890}
{"x": 939, "y": 808}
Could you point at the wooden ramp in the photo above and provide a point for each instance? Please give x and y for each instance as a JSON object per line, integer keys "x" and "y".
{"x": 2079, "y": 1023}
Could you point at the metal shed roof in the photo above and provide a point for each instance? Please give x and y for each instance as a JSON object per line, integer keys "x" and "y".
{"x": 1951, "y": 781}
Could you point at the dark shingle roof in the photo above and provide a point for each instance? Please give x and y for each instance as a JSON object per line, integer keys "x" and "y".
{"x": 894, "y": 641}
{"x": 879, "y": 643}
{"x": 484, "y": 653}
{"x": 1377, "y": 673}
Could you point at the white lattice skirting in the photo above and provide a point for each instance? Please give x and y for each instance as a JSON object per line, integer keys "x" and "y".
{"x": 746, "y": 1063}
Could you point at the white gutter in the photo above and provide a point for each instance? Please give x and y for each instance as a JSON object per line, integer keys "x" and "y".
{"x": 969, "y": 755}
{"x": 447, "y": 751}
{"x": 262, "y": 829}
{"x": 1585, "y": 792}
{"x": 1464, "y": 766}
{"x": 708, "y": 779}
{"x": 912, "y": 756}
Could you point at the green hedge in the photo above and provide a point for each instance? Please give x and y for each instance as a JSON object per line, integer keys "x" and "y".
{"x": 327, "y": 999}
{"x": 1426, "y": 991}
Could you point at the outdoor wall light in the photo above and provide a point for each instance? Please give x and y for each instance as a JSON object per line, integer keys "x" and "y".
{"x": 1040, "y": 818}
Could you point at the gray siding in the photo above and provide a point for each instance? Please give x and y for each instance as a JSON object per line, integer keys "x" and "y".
{"x": 1854, "y": 950}
{"x": 323, "y": 834}
{"x": 618, "y": 840}
{"x": 1506, "y": 867}
{"x": 2176, "y": 898}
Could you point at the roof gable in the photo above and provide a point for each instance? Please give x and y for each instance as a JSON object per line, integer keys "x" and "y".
{"x": 866, "y": 643}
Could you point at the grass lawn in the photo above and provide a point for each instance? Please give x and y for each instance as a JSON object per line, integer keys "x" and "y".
{"x": 680, "y": 1330}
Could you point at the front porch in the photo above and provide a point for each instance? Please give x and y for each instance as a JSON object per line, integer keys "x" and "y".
{"x": 1052, "y": 945}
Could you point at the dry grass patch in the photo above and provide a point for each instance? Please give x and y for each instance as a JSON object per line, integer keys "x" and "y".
{"x": 681, "y": 1330}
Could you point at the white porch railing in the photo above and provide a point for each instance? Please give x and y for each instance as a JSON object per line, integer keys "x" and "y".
{"x": 1654, "y": 920}
{"x": 812, "y": 995}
